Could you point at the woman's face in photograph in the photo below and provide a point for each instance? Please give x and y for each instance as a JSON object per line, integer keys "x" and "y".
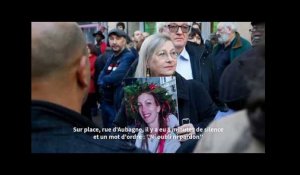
{"x": 163, "y": 61}
{"x": 148, "y": 108}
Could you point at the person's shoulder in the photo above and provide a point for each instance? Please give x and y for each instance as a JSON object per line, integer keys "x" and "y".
{"x": 127, "y": 54}
{"x": 245, "y": 42}
{"x": 250, "y": 58}
{"x": 246, "y": 56}
{"x": 236, "y": 116}
{"x": 195, "y": 84}
{"x": 191, "y": 46}
{"x": 254, "y": 52}
{"x": 230, "y": 130}
{"x": 192, "y": 84}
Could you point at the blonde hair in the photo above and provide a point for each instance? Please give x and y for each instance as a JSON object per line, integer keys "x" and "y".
{"x": 147, "y": 50}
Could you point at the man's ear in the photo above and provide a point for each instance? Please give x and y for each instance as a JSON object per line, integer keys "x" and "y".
{"x": 83, "y": 72}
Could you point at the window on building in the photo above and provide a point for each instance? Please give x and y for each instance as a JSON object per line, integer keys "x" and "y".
{"x": 150, "y": 27}
{"x": 88, "y": 28}
{"x": 214, "y": 26}
{"x": 88, "y": 34}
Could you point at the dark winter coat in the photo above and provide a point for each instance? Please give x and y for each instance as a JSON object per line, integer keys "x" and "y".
{"x": 52, "y": 131}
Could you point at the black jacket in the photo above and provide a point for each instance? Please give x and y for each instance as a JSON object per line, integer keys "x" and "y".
{"x": 52, "y": 132}
{"x": 238, "y": 77}
{"x": 203, "y": 68}
{"x": 193, "y": 102}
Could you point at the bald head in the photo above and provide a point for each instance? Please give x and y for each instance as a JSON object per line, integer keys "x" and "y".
{"x": 55, "y": 46}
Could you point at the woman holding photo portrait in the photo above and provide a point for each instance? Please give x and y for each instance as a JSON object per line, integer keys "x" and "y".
{"x": 150, "y": 105}
{"x": 157, "y": 57}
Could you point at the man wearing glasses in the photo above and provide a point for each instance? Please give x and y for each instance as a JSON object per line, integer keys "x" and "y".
{"x": 193, "y": 61}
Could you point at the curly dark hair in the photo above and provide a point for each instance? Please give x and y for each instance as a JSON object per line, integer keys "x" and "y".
{"x": 160, "y": 94}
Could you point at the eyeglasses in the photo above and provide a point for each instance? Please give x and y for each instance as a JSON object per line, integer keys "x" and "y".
{"x": 174, "y": 28}
{"x": 163, "y": 54}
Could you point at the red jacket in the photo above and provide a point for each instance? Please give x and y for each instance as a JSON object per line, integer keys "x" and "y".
{"x": 102, "y": 47}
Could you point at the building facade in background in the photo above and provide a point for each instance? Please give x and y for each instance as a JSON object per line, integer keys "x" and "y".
{"x": 207, "y": 28}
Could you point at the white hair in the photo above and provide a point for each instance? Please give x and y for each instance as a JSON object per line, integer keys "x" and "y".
{"x": 160, "y": 26}
{"x": 189, "y": 23}
{"x": 230, "y": 25}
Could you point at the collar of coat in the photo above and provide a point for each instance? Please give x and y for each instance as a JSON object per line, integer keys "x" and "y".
{"x": 237, "y": 42}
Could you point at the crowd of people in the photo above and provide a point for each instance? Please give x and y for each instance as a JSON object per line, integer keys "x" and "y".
{"x": 220, "y": 83}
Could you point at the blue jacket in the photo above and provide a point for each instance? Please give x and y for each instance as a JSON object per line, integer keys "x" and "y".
{"x": 124, "y": 60}
{"x": 111, "y": 84}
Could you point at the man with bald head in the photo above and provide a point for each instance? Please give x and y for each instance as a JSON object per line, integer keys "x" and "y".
{"x": 60, "y": 77}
